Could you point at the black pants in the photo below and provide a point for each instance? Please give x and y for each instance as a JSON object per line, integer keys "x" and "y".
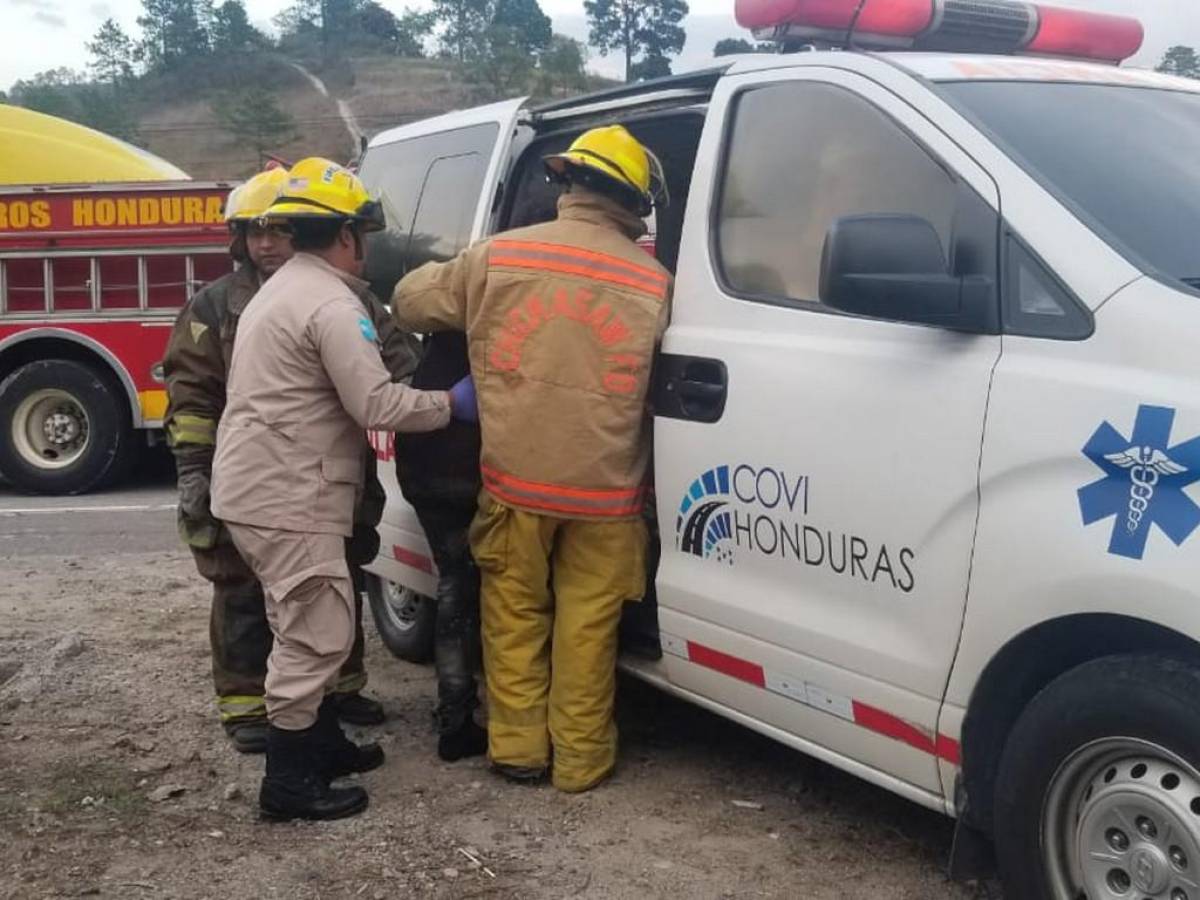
{"x": 456, "y": 639}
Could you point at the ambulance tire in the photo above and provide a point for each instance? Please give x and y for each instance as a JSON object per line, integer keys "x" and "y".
{"x": 84, "y": 399}
{"x": 404, "y": 619}
{"x": 1114, "y": 741}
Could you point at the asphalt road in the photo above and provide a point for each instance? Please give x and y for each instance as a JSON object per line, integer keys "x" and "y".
{"x": 138, "y": 516}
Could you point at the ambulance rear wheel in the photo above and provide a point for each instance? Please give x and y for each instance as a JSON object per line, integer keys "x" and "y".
{"x": 64, "y": 428}
{"x": 1098, "y": 794}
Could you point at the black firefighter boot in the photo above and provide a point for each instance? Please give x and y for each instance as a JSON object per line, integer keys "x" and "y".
{"x": 454, "y": 651}
{"x": 295, "y": 787}
{"x": 458, "y": 735}
{"x": 341, "y": 755}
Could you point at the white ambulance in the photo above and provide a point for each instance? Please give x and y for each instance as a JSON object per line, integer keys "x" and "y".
{"x": 928, "y": 415}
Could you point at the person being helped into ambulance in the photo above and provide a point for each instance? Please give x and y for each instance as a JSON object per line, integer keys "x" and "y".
{"x": 562, "y": 321}
{"x": 438, "y": 473}
{"x": 305, "y": 383}
{"x": 196, "y": 367}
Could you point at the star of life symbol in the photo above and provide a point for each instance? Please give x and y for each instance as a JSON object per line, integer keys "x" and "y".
{"x": 1144, "y": 482}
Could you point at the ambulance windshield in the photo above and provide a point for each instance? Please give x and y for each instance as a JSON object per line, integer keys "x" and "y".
{"x": 1123, "y": 158}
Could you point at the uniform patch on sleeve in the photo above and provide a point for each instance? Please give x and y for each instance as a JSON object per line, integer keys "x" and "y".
{"x": 198, "y": 329}
{"x": 367, "y": 327}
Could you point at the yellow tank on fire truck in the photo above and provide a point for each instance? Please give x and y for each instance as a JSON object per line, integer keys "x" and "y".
{"x": 100, "y": 245}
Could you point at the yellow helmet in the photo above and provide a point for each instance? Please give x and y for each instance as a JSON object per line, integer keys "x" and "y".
{"x": 318, "y": 188}
{"x": 250, "y": 199}
{"x": 617, "y": 155}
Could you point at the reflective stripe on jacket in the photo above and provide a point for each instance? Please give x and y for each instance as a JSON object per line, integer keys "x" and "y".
{"x": 562, "y": 320}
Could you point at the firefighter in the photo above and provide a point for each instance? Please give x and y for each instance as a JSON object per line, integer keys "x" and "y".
{"x": 562, "y": 320}
{"x": 305, "y": 381}
{"x": 196, "y": 367}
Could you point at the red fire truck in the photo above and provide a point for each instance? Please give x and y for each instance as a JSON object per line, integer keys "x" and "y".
{"x": 91, "y": 278}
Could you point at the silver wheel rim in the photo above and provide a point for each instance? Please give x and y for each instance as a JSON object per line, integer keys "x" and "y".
{"x": 50, "y": 429}
{"x": 402, "y": 605}
{"x": 1121, "y": 821}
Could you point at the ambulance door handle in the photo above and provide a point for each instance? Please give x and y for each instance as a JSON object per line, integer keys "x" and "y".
{"x": 690, "y": 387}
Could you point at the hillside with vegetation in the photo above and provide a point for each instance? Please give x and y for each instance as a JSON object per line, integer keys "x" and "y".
{"x": 201, "y": 86}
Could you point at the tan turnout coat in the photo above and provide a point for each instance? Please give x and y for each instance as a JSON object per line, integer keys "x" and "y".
{"x": 562, "y": 321}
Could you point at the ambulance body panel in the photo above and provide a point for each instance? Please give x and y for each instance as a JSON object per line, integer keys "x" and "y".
{"x": 927, "y": 435}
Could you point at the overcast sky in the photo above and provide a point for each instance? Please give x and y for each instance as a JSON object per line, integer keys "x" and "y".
{"x": 45, "y": 34}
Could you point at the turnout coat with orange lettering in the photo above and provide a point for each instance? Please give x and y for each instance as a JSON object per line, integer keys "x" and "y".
{"x": 562, "y": 321}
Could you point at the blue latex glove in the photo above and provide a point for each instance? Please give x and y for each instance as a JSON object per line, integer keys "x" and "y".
{"x": 463, "y": 404}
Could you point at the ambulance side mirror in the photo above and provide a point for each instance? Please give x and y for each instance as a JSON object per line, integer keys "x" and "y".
{"x": 893, "y": 267}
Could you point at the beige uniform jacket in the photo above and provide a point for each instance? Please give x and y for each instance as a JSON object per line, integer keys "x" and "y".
{"x": 306, "y": 380}
{"x": 562, "y": 321}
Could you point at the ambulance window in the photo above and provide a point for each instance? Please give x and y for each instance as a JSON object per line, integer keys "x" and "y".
{"x": 396, "y": 173}
{"x": 800, "y": 156}
{"x": 442, "y": 225}
{"x": 1035, "y": 303}
{"x": 72, "y": 283}
{"x": 118, "y": 282}
{"x": 25, "y": 280}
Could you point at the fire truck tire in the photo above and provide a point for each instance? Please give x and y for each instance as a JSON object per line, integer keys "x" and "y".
{"x": 64, "y": 428}
{"x": 1098, "y": 792}
{"x": 404, "y": 619}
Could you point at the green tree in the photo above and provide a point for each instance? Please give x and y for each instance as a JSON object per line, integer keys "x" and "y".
{"x": 502, "y": 62}
{"x": 561, "y": 67}
{"x": 652, "y": 65}
{"x": 171, "y": 33}
{"x": 730, "y": 46}
{"x": 230, "y": 31}
{"x": 415, "y": 29}
{"x": 526, "y": 17}
{"x": 255, "y": 118}
{"x": 65, "y": 93}
{"x": 638, "y": 28}
{"x": 302, "y": 16}
{"x": 50, "y": 92}
{"x": 1181, "y": 60}
{"x": 112, "y": 53}
{"x": 464, "y": 26}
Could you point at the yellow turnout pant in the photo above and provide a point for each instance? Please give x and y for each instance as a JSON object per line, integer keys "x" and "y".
{"x": 552, "y": 591}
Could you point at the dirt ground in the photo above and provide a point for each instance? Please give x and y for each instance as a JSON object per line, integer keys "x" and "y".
{"x": 105, "y": 708}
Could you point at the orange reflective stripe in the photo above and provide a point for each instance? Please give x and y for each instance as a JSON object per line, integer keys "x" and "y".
{"x": 570, "y": 261}
{"x": 556, "y": 498}
{"x": 591, "y": 255}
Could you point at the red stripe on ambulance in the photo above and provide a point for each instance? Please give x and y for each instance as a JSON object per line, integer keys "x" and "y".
{"x": 861, "y": 714}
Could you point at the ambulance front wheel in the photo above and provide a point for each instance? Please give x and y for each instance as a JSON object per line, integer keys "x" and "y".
{"x": 64, "y": 428}
{"x": 404, "y": 619}
{"x": 1098, "y": 793}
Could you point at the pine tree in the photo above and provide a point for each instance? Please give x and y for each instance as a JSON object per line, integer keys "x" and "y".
{"x": 230, "y": 30}
{"x": 526, "y": 17}
{"x": 112, "y": 53}
{"x": 561, "y": 67}
{"x": 171, "y": 33}
{"x": 638, "y": 28}
{"x": 255, "y": 118}
{"x": 464, "y": 26}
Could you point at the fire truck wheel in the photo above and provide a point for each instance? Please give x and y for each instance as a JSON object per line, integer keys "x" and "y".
{"x": 404, "y": 619}
{"x": 64, "y": 429}
{"x": 1098, "y": 793}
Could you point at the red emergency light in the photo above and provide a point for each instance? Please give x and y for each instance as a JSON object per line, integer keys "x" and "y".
{"x": 982, "y": 26}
